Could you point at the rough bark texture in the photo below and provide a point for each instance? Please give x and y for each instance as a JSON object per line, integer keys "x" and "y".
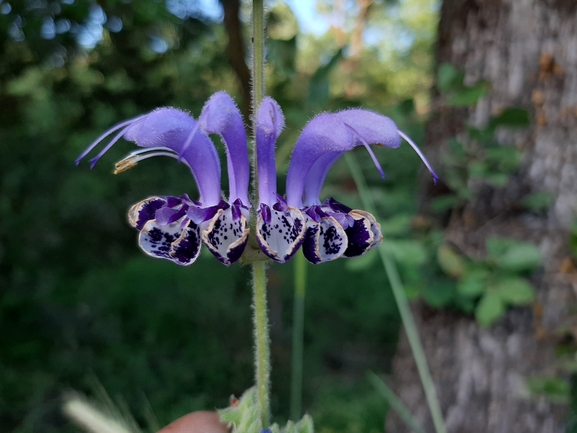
{"x": 527, "y": 50}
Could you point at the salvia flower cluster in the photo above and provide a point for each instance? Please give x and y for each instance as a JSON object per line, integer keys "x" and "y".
{"x": 174, "y": 228}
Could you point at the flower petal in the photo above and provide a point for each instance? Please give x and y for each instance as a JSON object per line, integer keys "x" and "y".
{"x": 176, "y": 242}
{"x": 328, "y": 136}
{"x": 221, "y": 116}
{"x": 321, "y": 136}
{"x": 144, "y": 211}
{"x": 186, "y": 248}
{"x": 375, "y": 226}
{"x": 269, "y": 124}
{"x": 325, "y": 240}
{"x": 324, "y": 139}
{"x": 172, "y": 128}
{"x": 374, "y": 128}
{"x": 360, "y": 235}
{"x": 226, "y": 235}
{"x": 280, "y": 233}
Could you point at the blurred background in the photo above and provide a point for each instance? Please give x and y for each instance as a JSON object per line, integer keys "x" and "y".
{"x": 487, "y": 255}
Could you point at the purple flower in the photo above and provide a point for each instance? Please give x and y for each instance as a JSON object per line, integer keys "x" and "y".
{"x": 174, "y": 228}
{"x": 330, "y": 229}
{"x": 280, "y": 228}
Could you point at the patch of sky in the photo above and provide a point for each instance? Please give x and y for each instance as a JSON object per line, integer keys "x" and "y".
{"x": 62, "y": 25}
{"x": 15, "y": 30}
{"x": 5, "y": 8}
{"x": 91, "y": 32}
{"x": 56, "y": 60}
{"x": 395, "y": 34}
{"x": 201, "y": 9}
{"x": 158, "y": 44}
{"x": 310, "y": 21}
{"x": 48, "y": 29}
{"x": 114, "y": 24}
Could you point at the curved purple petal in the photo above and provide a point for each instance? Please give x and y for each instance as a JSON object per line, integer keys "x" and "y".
{"x": 221, "y": 116}
{"x": 374, "y": 128}
{"x": 323, "y": 135}
{"x": 316, "y": 177}
{"x": 269, "y": 124}
{"x": 328, "y": 136}
{"x": 172, "y": 128}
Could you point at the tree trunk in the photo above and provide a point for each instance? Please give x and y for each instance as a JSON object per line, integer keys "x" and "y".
{"x": 527, "y": 50}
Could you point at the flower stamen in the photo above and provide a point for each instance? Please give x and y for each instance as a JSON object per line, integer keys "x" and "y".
{"x": 135, "y": 157}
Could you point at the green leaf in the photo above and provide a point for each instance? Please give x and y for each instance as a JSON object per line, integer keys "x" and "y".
{"x": 443, "y": 203}
{"x": 245, "y": 415}
{"x": 511, "y": 118}
{"x": 515, "y": 291}
{"x": 451, "y": 262}
{"x": 305, "y": 425}
{"x": 504, "y": 158}
{"x": 485, "y": 136}
{"x": 473, "y": 282}
{"x": 490, "y": 309}
{"x": 520, "y": 257}
{"x": 478, "y": 169}
{"x": 468, "y": 96}
{"x": 554, "y": 388}
{"x": 439, "y": 293}
{"x": 405, "y": 108}
{"x": 466, "y": 305}
{"x": 537, "y": 201}
{"x": 407, "y": 252}
{"x": 449, "y": 78}
{"x": 498, "y": 180}
{"x": 319, "y": 89}
{"x": 27, "y": 82}
{"x": 397, "y": 225}
{"x": 412, "y": 291}
{"x": 496, "y": 247}
{"x": 512, "y": 255}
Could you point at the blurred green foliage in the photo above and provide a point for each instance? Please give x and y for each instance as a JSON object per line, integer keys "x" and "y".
{"x": 79, "y": 303}
{"x": 489, "y": 285}
{"x": 486, "y": 285}
{"x": 476, "y": 156}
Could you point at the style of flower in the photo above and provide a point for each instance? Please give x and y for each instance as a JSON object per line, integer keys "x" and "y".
{"x": 174, "y": 228}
